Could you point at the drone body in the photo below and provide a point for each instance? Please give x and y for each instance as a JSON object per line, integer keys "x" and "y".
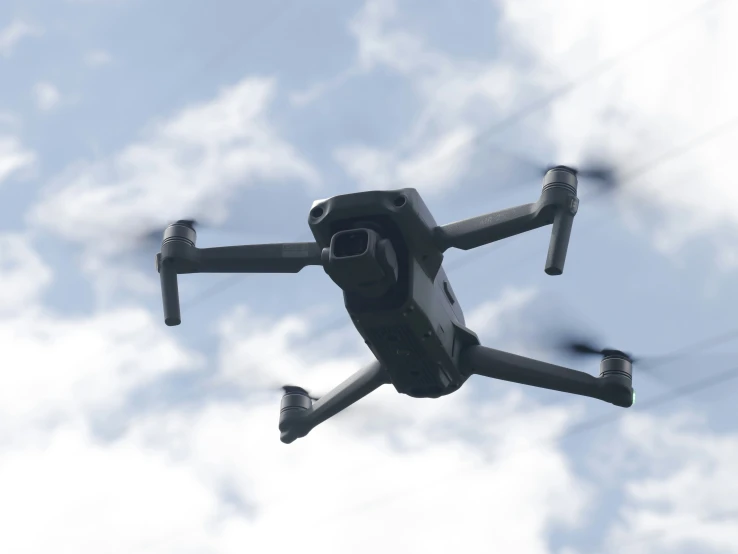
{"x": 385, "y": 251}
{"x": 408, "y": 316}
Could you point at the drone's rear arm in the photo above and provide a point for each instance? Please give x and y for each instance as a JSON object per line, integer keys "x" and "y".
{"x": 298, "y": 417}
{"x": 612, "y": 386}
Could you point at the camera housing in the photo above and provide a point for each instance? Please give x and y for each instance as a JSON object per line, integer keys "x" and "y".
{"x": 360, "y": 261}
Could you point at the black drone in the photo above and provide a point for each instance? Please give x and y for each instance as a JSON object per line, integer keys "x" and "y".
{"x": 385, "y": 251}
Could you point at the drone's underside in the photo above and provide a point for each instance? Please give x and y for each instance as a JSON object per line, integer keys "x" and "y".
{"x": 385, "y": 251}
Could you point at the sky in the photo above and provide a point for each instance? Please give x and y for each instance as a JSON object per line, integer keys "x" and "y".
{"x": 119, "y": 434}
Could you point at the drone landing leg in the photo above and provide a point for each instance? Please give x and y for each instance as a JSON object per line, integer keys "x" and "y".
{"x": 480, "y": 360}
{"x": 296, "y": 423}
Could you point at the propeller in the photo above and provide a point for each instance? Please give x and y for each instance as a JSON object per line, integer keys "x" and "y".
{"x": 586, "y": 347}
{"x": 150, "y": 238}
{"x": 285, "y": 389}
{"x": 602, "y": 173}
{"x": 560, "y": 329}
{"x": 292, "y": 389}
{"x": 596, "y": 169}
{"x": 577, "y": 345}
{"x": 155, "y": 232}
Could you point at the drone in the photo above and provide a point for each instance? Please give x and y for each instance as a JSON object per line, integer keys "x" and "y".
{"x": 385, "y": 251}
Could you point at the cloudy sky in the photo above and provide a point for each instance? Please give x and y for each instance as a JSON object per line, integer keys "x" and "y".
{"x": 119, "y": 434}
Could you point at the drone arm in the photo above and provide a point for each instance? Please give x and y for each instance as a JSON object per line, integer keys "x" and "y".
{"x": 480, "y": 360}
{"x": 352, "y": 390}
{"x": 295, "y": 424}
{"x": 485, "y": 229}
{"x": 258, "y": 258}
{"x": 557, "y": 205}
{"x": 179, "y": 255}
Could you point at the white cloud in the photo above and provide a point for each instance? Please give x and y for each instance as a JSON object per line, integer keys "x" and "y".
{"x": 662, "y": 96}
{"x": 456, "y": 99}
{"x": 15, "y": 32}
{"x": 680, "y": 489}
{"x": 216, "y": 477}
{"x": 491, "y": 317}
{"x": 306, "y": 97}
{"x": 258, "y": 353}
{"x": 69, "y": 371}
{"x": 23, "y": 274}
{"x": 219, "y": 479}
{"x": 191, "y": 164}
{"x": 431, "y": 168}
{"x": 92, "y": 497}
{"x": 14, "y": 157}
{"x": 658, "y": 97}
{"x": 80, "y": 369}
{"x": 374, "y": 461}
{"x": 47, "y": 96}
{"x": 98, "y": 58}
{"x": 363, "y": 478}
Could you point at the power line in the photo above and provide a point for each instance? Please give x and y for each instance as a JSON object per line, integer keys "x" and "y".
{"x": 594, "y": 71}
{"x": 675, "y": 354}
{"x": 683, "y": 351}
{"x": 220, "y": 57}
{"x": 226, "y": 52}
{"x": 229, "y": 50}
{"x": 696, "y": 386}
{"x": 215, "y": 60}
{"x": 683, "y": 391}
{"x": 711, "y": 134}
{"x": 640, "y": 170}
{"x": 557, "y": 93}
{"x": 632, "y": 174}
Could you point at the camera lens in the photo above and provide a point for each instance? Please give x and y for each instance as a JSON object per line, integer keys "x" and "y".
{"x": 350, "y": 244}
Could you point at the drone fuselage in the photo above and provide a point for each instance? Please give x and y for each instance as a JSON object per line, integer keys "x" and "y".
{"x": 384, "y": 250}
{"x": 416, "y": 328}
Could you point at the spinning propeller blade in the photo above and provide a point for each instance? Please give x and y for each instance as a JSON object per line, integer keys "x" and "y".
{"x": 292, "y": 389}
{"x": 561, "y": 330}
{"x": 285, "y": 389}
{"x": 603, "y": 174}
{"x": 597, "y": 170}
{"x": 587, "y": 347}
{"x": 152, "y": 236}
{"x": 581, "y": 348}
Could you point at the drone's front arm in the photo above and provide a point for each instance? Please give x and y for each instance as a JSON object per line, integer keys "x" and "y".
{"x": 179, "y": 255}
{"x": 250, "y": 258}
{"x": 259, "y": 258}
{"x": 614, "y": 384}
{"x": 298, "y": 416}
{"x": 557, "y": 205}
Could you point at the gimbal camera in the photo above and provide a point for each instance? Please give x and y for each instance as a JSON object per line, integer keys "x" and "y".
{"x": 385, "y": 251}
